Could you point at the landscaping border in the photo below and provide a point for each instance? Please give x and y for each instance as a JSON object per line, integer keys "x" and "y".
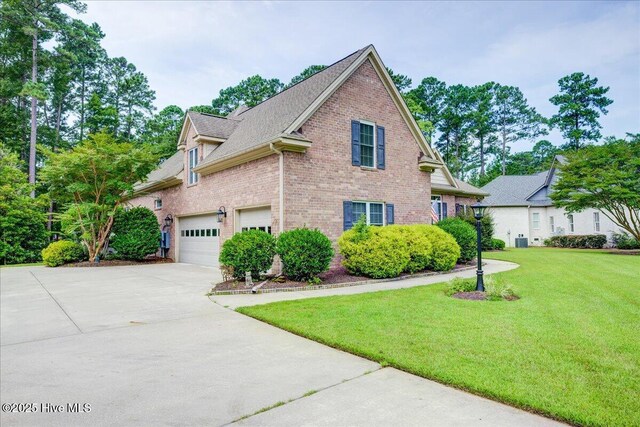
{"x": 336, "y": 285}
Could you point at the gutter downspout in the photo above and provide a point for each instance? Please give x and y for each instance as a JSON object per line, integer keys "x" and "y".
{"x": 281, "y": 186}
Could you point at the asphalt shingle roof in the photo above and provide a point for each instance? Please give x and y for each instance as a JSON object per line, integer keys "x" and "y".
{"x": 513, "y": 190}
{"x": 167, "y": 169}
{"x": 210, "y": 125}
{"x": 268, "y": 120}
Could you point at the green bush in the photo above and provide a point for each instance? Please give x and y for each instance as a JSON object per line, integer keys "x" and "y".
{"x": 136, "y": 233}
{"x": 487, "y": 227}
{"x": 587, "y": 241}
{"x": 444, "y": 249}
{"x": 465, "y": 235}
{"x": 459, "y": 284}
{"x": 382, "y": 252}
{"x": 625, "y": 241}
{"x": 61, "y": 252}
{"x": 251, "y": 250}
{"x": 378, "y": 252}
{"x": 419, "y": 246}
{"x": 304, "y": 253}
{"x": 497, "y": 244}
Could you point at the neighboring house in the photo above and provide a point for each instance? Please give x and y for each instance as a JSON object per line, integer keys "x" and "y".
{"x": 320, "y": 154}
{"x": 521, "y": 207}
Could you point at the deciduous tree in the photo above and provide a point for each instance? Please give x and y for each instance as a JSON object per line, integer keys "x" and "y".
{"x": 604, "y": 177}
{"x": 94, "y": 179}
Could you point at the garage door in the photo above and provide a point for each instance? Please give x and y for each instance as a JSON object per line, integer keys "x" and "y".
{"x": 199, "y": 240}
{"x": 255, "y": 219}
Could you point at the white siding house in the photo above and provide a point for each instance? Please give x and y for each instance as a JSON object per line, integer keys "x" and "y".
{"x": 521, "y": 207}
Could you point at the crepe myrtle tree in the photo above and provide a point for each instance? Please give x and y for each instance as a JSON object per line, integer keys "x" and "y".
{"x": 604, "y": 177}
{"x": 93, "y": 180}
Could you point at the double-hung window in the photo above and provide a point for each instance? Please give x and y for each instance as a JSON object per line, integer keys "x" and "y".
{"x": 571, "y": 225}
{"x": 367, "y": 145}
{"x": 438, "y": 209}
{"x": 372, "y": 211}
{"x": 596, "y": 221}
{"x": 157, "y": 204}
{"x": 193, "y": 161}
{"x": 552, "y": 224}
{"x": 535, "y": 220}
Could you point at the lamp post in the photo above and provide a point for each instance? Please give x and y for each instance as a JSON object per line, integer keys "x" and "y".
{"x": 478, "y": 213}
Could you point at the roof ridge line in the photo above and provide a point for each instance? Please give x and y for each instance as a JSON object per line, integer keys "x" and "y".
{"x": 305, "y": 79}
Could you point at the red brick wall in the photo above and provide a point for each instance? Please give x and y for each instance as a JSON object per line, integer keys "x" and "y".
{"x": 317, "y": 182}
{"x": 251, "y": 184}
{"x": 452, "y": 200}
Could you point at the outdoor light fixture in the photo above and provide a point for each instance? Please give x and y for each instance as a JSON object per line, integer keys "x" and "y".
{"x": 168, "y": 221}
{"x": 222, "y": 213}
{"x": 478, "y": 213}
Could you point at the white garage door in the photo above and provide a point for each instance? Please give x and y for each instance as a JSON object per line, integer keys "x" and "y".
{"x": 199, "y": 240}
{"x": 255, "y": 219}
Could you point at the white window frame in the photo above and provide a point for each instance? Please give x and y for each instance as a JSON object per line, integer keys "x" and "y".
{"x": 193, "y": 176}
{"x": 368, "y": 211}
{"x": 157, "y": 204}
{"x": 535, "y": 220}
{"x": 375, "y": 144}
{"x": 596, "y": 221}
{"x": 552, "y": 224}
{"x": 572, "y": 228}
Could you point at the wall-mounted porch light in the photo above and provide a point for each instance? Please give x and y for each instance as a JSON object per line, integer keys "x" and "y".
{"x": 222, "y": 213}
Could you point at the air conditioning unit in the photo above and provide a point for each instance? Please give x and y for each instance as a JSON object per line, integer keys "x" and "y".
{"x": 522, "y": 242}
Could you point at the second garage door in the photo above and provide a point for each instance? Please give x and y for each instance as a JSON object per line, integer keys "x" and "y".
{"x": 199, "y": 240}
{"x": 255, "y": 219}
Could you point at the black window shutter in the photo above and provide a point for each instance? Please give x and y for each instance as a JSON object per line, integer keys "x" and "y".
{"x": 347, "y": 210}
{"x": 444, "y": 210}
{"x": 390, "y": 217}
{"x": 355, "y": 143}
{"x": 381, "y": 147}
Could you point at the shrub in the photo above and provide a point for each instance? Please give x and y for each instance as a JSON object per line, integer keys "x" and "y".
{"x": 304, "y": 253}
{"x": 378, "y": 252}
{"x": 497, "y": 244}
{"x": 465, "y": 235}
{"x": 419, "y": 246}
{"x": 458, "y": 284}
{"x": 61, "y": 252}
{"x": 251, "y": 250}
{"x": 444, "y": 249}
{"x": 497, "y": 290}
{"x": 587, "y": 241}
{"x": 487, "y": 227}
{"x": 136, "y": 233}
{"x": 625, "y": 241}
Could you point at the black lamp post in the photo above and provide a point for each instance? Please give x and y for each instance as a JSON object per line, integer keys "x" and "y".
{"x": 478, "y": 213}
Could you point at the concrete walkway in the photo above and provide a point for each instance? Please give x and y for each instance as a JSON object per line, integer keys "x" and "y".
{"x": 144, "y": 346}
{"x": 491, "y": 266}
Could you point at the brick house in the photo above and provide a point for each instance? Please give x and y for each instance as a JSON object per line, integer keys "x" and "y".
{"x": 338, "y": 145}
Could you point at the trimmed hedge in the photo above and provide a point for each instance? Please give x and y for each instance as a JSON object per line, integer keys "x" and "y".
{"x": 136, "y": 233}
{"x": 465, "y": 235}
{"x": 383, "y": 252}
{"x": 304, "y": 253}
{"x": 62, "y": 252}
{"x": 497, "y": 244}
{"x": 251, "y": 250}
{"x": 587, "y": 241}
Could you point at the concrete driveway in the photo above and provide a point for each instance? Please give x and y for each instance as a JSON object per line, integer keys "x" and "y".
{"x": 143, "y": 345}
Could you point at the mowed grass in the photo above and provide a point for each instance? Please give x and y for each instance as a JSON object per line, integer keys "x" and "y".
{"x": 568, "y": 349}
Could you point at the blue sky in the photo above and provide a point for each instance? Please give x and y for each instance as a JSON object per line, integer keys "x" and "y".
{"x": 190, "y": 50}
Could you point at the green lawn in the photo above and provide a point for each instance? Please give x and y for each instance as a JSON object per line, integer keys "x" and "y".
{"x": 569, "y": 348}
{"x": 29, "y": 264}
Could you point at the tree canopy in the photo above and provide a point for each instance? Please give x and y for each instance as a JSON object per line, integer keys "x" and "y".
{"x": 604, "y": 177}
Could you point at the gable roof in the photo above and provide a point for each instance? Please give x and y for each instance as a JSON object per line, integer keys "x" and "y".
{"x": 211, "y": 125}
{"x": 167, "y": 174}
{"x": 514, "y": 190}
{"x": 283, "y": 114}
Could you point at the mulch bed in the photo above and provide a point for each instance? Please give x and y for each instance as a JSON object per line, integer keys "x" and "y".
{"x": 335, "y": 277}
{"x": 119, "y": 262}
{"x": 480, "y": 296}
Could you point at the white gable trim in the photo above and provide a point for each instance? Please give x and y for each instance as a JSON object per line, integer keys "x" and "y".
{"x": 371, "y": 54}
{"x": 186, "y": 124}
